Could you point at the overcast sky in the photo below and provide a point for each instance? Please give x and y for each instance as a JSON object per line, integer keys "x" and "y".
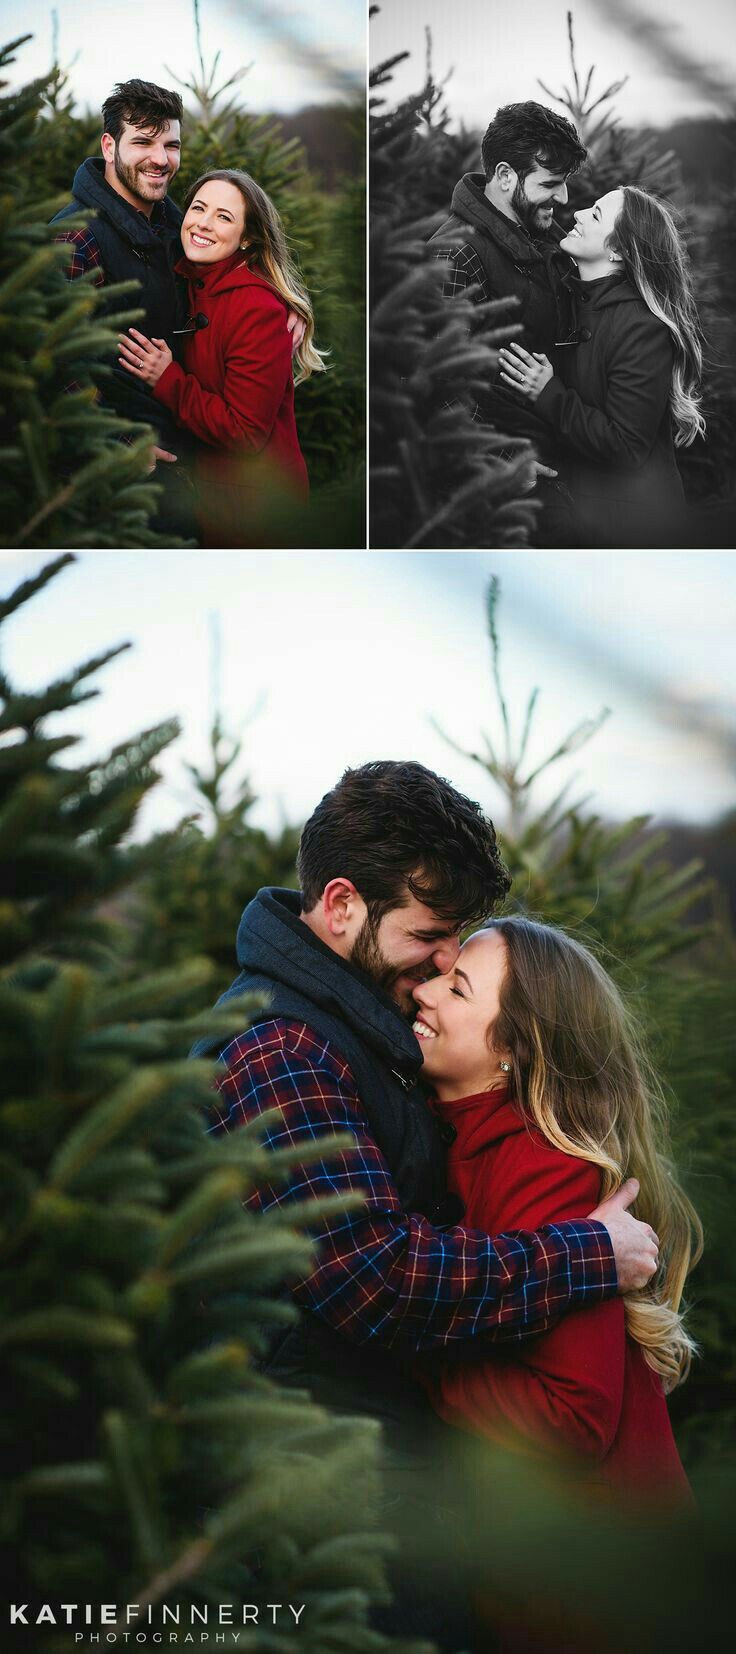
{"x": 351, "y": 654}
{"x": 496, "y": 49}
{"x": 301, "y": 53}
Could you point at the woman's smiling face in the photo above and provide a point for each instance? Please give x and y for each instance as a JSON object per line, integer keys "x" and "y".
{"x": 455, "y": 1013}
{"x": 587, "y": 242}
{"x": 214, "y": 224}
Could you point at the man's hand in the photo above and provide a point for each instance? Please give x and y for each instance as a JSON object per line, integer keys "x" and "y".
{"x": 160, "y": 454}
{"x": 297, "y": 327}
{"x": 635, "y": 1245}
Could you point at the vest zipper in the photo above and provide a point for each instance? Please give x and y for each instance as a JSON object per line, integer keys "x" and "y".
{"x": 408, "y": 1085}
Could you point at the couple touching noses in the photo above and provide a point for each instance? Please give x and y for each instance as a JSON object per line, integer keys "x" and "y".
{"x": 503, "y": 1118}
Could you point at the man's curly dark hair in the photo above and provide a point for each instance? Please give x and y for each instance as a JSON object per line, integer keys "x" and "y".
{"x": 395, "y": 830}
{"x": 527, "y": 135}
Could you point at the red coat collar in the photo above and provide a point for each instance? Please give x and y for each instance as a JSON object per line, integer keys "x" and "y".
{"x": 481, "y": 1120}
{"x": 224, "y": 276}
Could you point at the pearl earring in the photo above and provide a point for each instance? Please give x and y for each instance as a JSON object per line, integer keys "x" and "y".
{"x": 505, "y": 1067}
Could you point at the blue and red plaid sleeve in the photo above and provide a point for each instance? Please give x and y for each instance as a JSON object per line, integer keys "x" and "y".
{"x": 386, "y": 1274}
{"x": 84, "y": 255}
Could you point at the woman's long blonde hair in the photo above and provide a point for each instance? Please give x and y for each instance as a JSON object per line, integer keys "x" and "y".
{"x": 655, "y": 261}
{"x": 580, "y": 1075}
{"x": 267, "y": 252}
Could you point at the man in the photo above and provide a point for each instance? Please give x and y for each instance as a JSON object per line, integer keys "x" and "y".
{"x": 501, "y": 240}
{"x": 132, "y": 233}
{"x": 394, "y": 864}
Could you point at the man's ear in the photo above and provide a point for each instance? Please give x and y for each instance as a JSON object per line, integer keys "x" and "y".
{"x": 506, "y": 178}
{"x": 107, "y": 145}
{"x": 340, "y": 906}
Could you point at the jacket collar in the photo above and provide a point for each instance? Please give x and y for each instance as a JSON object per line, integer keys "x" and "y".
{"x": 613, "y": 289}
{"x": 616, "y": 290}
{"x": 273, "y": 941}
{"x": 92, "y": 189}
{"x": 481, "y": 1120}
{"x": 470, "y": 202}
{"x": 224, "y": 275}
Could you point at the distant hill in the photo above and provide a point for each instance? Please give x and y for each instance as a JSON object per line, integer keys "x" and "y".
{"x": 706, "y": 148}
{"x": 333, "y": 136}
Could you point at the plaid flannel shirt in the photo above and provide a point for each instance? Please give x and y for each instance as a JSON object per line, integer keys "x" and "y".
{"x": 464, "y": 269}
{"x": 386, "y": 1274}
{"x": 84, "y": 255}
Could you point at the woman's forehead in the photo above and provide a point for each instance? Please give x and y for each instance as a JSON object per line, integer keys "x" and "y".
{"x": 217, "y": 192}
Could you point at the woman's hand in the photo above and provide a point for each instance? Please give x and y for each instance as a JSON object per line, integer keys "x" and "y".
{"x": 144, "y": 358}
{"x": 526, "y": 374}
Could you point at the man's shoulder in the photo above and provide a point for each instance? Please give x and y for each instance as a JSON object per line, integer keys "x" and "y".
{"x": 84, "y": 253}
{"x": 288, "y": 1040}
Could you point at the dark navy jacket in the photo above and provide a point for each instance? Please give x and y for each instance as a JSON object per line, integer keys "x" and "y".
{"x": 131, "y": 250}
{"x": 514, "y": 265}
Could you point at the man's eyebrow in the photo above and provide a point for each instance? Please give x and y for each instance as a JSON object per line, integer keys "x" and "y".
{"x": 465, "y": 978}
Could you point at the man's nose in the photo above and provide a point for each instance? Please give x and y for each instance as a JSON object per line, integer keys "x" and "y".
{"x": 445, "y": 954}
{"x": 561, "y": 194}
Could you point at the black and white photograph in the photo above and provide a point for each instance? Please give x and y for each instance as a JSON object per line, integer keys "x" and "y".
{"x": 552, "y": 303}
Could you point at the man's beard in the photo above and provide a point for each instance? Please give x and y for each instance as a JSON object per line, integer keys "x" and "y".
{"x": 528, "y": 213}
{"x": 368, "y": 955}
{"x": 132, "y": 178}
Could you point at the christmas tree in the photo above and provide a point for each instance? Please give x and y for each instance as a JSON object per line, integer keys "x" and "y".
{"x": 145, "y": 1459}
{"x": 191, "y": 900}
{"x": 66, "y": 481}
{"x": 439, "y": 477}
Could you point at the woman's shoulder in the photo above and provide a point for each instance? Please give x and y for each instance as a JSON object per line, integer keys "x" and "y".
{"x": 261, "y": 291}
{"x": 627, "y": 309}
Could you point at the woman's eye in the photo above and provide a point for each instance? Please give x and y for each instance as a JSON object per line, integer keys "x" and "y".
{"x": 458, "y": 992}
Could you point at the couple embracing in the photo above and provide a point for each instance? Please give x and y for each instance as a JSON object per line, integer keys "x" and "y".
{"x": 503, "y": 1117}
{"x": 605, "y": 377}
{"x": 227, "y": 330}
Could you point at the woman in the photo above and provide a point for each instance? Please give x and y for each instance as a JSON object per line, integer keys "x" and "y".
{"x": 627, "y": 392}
{"x": 235, "y": 392}
{"x": 536, "y": 1068}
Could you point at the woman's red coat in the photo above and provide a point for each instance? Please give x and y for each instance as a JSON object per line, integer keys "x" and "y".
{"x": 235, "y": 392}
{"x": 584, "y": 1384}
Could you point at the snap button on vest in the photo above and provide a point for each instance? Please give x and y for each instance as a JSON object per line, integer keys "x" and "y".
{"x": 448, "y": 1132}
{"x": 584, "y": 335}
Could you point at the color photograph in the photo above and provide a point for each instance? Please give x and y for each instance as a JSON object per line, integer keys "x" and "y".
{"x": 367, "y": 1101}
{"x": 183, "y": 282}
